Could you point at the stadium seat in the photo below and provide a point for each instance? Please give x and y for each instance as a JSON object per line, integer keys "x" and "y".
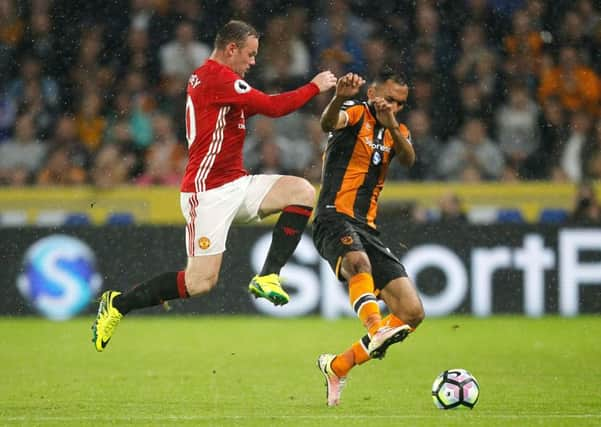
{"x": 51, "y": 218}
{"x": 482, "y": 215}
{"x": 432, "y": 215}
{"x": 553, "y": 216}
{"x": 513, "y": 216}
{"x": 77, "y": 219}
{"x": 13, "y": 218}
{"x": 120, "y": 218}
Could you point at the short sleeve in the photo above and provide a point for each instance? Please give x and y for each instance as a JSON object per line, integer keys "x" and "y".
{"x": 353, "y": 112}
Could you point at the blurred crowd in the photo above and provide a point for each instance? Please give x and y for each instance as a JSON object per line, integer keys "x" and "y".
{"x": 451, "y": 209}
{"x": 93, "y": 92}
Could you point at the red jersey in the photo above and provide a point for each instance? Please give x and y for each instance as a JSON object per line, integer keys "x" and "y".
{"x": 217, "y": 105}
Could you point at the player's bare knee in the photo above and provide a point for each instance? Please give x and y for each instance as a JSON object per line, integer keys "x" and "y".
{"x": 200, "y": 287}
{"x": 302, "y": 193}
{"x": 411, "y": 314}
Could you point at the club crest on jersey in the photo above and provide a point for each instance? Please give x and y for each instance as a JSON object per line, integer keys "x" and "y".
{"x": 194, "y": 81}
{"x": 204, "y": 242}
{"x": 377, "y": 158}
{"x": 346, "y": 240}
{"x": 240, "y": 86}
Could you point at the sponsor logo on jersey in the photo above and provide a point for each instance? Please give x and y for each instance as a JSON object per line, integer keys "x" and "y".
{"x": 380, "y": 147}
{"x": 242, "y": 124}
{"x": 204, "y": 242}
{"x": 240, "y": 86}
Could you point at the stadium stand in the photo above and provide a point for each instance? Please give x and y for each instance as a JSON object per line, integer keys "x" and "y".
{"x": 51, "y": 218}
{"x": 11, "y": 218}
{"x": 81, "y": 78}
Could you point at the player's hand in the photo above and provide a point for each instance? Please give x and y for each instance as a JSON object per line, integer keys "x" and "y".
{"x": 325, "y": 80}
{"x": 348, "y": 85}
{"x": 384, "y": 113}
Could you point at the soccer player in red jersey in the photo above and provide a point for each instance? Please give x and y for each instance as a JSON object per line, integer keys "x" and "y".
{"x": 364, "y": 138}
{"x": 216, "y": 190}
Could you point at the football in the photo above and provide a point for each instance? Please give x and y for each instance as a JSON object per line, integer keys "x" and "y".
{"x": 455, "y": 388}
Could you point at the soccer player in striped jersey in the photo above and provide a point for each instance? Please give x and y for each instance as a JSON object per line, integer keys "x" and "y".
{"x": 216, "y": 190}
{"x": 364, "y": 138}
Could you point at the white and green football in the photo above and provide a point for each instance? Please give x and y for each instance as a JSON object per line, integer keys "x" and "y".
{"x": 455, "y": 388}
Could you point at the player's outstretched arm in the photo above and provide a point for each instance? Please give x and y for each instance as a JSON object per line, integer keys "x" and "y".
{"x": 346, "y": 88}
{"x": 257, "y": 102}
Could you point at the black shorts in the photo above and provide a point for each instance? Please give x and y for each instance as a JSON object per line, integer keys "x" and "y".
{"x": 336, "y": 234}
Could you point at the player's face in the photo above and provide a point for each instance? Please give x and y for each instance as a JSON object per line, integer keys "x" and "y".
{"x": 393, "y": 92}
{"x": 243, "y": 57}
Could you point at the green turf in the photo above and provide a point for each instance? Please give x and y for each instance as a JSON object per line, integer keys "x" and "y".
{"x": 234, "y": 371}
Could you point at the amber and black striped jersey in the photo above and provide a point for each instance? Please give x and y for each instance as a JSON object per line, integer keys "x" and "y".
{"x": 355, "y": 164}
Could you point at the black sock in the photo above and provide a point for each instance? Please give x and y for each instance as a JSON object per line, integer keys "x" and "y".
{"x": 164, "y": 287}
{"x": 286, "y": 235}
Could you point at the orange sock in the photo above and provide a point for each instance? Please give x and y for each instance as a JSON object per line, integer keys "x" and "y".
{"x": 363, "y": 301}
{"x": 344, "y": 362}
{"x": 357, "y": 353}
{"x": 394, "y": 322}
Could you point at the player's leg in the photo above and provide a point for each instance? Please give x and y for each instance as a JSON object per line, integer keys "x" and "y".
{"x": 402, "y": 299}
{"x": 115, "y": 304}
{"x": 339, "y": 242}
{"x": 208, "y": 216}
{"x": 355, "y": 269}
{"x": 334, "y": 383}
{"x": 395, "y": 288}
{"x": 294, "y": 198}
{"x": 381, "y": 334}
{"x": 406, "y": 312}
{"x": 199, "y": 277}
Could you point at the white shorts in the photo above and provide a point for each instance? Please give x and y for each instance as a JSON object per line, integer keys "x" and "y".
{"x": 210, "y": 214}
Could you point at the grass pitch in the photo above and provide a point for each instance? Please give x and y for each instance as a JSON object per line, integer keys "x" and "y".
{"x": 253, "y": 371}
